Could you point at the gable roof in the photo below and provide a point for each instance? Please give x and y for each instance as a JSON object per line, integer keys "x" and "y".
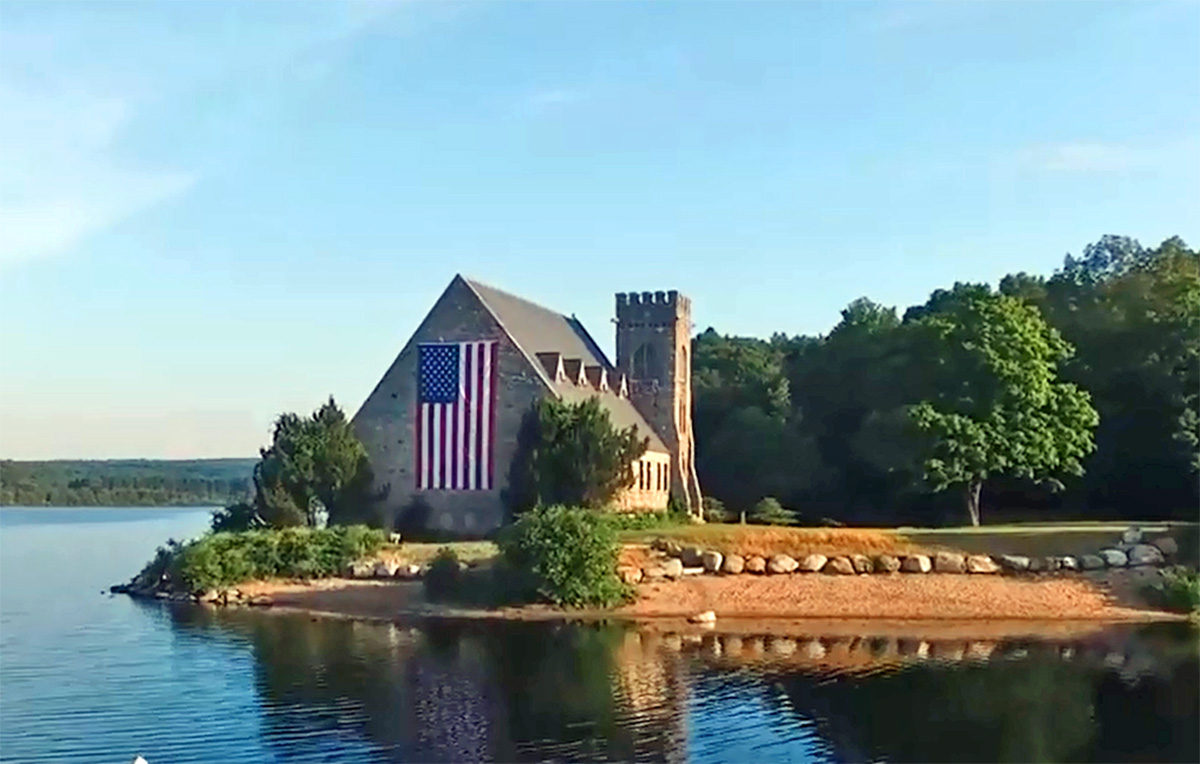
{"x": 535, "y": 329}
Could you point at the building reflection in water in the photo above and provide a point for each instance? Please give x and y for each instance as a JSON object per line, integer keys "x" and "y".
{"x": 537, "y": 691}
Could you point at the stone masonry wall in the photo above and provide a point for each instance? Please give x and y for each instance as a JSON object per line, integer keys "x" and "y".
{"x": 385, "y": 423}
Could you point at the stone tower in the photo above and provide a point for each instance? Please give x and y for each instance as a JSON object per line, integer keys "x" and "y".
{"x": 654, "y": 352}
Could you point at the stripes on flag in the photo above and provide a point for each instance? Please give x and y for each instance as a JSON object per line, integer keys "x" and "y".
{"x": 456, "y": 417}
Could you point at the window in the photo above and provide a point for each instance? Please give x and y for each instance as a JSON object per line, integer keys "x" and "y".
{"x": 645, "y": 362}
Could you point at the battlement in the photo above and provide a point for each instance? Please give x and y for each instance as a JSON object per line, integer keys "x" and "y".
{"x": 651, "y": 306}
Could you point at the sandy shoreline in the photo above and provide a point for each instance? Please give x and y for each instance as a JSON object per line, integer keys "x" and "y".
{"x": 975, "y": 606}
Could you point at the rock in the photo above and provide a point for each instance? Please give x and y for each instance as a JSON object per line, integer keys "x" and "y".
{"x": 659, "y": 544}
{"x": 1014, "y": 562}
{"x": 630, "y": 574}
{"x": 781, "y": 563}
{"x": 1037, "y": 564}
{"x": 811, "y": 563}
{"x": 693, "y": 571}
{"x": 1051, "y": 564}
{"x": 654, "y": 573}
{"x": 1114, "y": 558}
{"x": 707, "y": 616}
{"x": 385, "y": 568}
{"x": 1146, "y": 554}
{"x": 711, "y": 561}
{"x": 408, "y": 571}
{"x": 840, "y": 566}
{"x": 672, "y": 568}
{"x": 1132, "y": 535}
{"x": 260, "y": 600}
{"x": 949, "y": 562}
{"x": 861, "y": 563}
{"x": 672, "y": 548}
{"x": 981, "y": 563}
{"x": 1166, "y": 545}
{"x": 916, "y": 563}
{"x": 1067, "y": 562}
{"x": 360, "y": 569}
{"x": 733, "y": 564}
{"x": 1091, "y": 562}
{"x": 756, "y": 564}
{"x": 886, "y": 563}
{"x": 691, "y": 556}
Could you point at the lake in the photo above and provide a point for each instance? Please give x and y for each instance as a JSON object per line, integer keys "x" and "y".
{"x": 85, "y": 676}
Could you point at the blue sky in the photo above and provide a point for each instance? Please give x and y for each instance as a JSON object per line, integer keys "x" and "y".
{"x": 211, "y": 213}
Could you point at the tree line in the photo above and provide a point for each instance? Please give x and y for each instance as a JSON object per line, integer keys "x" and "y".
{"x": 124, "y": 482}
{"x": 1070, "y": 396}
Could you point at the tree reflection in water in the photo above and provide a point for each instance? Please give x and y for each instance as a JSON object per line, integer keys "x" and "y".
{"x": 535, "y": 691}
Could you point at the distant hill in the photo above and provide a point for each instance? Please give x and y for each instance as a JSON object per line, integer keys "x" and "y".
{"x": 126, "y": 482}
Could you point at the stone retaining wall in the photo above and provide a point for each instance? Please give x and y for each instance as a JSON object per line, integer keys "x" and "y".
{"x": 674, "y": 561}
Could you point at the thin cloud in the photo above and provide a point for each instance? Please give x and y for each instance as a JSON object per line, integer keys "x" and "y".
{"x": 1105, "y": 157}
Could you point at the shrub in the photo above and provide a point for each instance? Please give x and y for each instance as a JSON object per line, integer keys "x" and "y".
{"x": 566, "y": 555}
{"x": 714, "y": 510}
{"x": 223, "y": 559}
{"x": 769, "y": 511}
{"x": 641, "y": 521}
{"x": 444, "y": 577}
{"x": 1179, "y": 590}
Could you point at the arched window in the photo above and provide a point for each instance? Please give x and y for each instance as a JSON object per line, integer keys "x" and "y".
{"x": 645, "y": 362}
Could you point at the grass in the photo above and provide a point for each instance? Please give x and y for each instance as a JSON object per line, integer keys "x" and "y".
{"x": 421, "y": 553}
{"x": 729, "y": 538}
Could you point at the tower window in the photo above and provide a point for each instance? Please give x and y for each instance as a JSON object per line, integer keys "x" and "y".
{"x": 645, "y": 362}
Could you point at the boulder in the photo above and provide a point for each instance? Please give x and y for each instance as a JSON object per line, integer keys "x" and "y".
{"x": 1091, "y": 562}
{"x": 1051, "y": 564}
{"x": 630, "y": 574}
{"x": 1067, "y": 562}
{"x": 711, "y": 561}
{"x": 691, "y": 556}
{"x": 1145, "y": 554}
{"x": 861, "y": 563}
{"x": 707, "y": 616}
{"x": 756, "y": 564}
{"x": 916, "y": 563}
{"x": 1014, "y": 562}
{"x": 1037, "y": 564}
{"x": 733, "y": 564}
{"x": 1114, "y": 558}
{"x": 693, "y": 571}
{"x": 1132, "y": 535}
{"x": 1166, "y": 545}
{"x": 261, "y": 600}
{"x": 672, "y": 568}
{"x": 659, "y": 544}
{"x": 411, "y": 570}
{"x": 360, "y": 569}
{"x": 811, "y": 563}
{"x": 839, "y": 565}
{"x": 654, "y": 573}
{"x": 981, "y": 563}
{"x": 781, "y": 563}
{"x": 386, "y": 568}
{"x": 950, "y": 562}
{"x": 672, "y": 548}
{"x": 887, "y": 563}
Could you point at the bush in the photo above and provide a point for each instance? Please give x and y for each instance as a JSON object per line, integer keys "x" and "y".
{"x": 714, "y": 510}
{"x": 1179, "y": 590}
{"x": 641, "y": 521}
{"x": 770, "y": 512}
{"x": 443, "y": 580}
{"x": 223, "y": 559}
{"x": 566, "y": 555}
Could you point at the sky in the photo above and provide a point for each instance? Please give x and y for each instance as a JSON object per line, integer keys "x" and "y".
{"x": 211, "y": 213}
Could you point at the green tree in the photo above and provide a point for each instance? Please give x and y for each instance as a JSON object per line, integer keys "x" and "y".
{"x": 768, "y": 511}
{"x": 995, "y": 404}
{"x": 570, "y": 453}
{"x": 314, "y": 464}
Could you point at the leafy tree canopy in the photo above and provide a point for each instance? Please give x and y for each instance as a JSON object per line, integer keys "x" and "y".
{"x": 572, "y": 454}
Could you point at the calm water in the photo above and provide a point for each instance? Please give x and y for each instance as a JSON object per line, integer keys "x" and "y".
{"x": 89, "y": 677}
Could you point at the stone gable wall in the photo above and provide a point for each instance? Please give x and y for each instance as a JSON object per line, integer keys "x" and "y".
{"x": 385, "y": 423}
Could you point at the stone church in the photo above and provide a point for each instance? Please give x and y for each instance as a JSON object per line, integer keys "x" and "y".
{"x": 441, "y": 426}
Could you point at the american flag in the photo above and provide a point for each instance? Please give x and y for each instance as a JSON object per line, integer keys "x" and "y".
{"x": 456, "y": 415}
